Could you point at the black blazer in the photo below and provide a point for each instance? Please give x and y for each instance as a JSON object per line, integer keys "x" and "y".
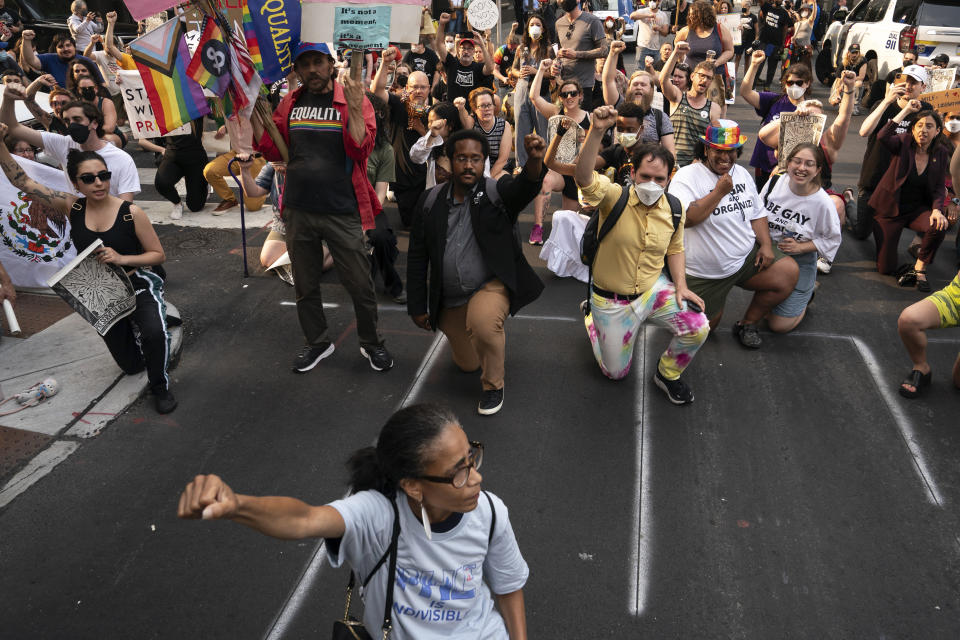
{"x": 493, "y": 228}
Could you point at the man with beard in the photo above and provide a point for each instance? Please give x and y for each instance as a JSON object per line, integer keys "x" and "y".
{"x": 408, "y": 122}
{"x": 464, "y": 74}
{"x": 85, "y": 131}
{"x": 55, "y": 64}
{"x": 582, "y": 41}
{"x": 465, "y": 269}
{"x": 727, "y": 240}
{"x": 690, "y": 111}
{"x": 655, "y": 125}
{"x": 330, "y": 130}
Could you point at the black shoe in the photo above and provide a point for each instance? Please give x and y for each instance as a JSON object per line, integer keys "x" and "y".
{"x": 164, "y": 401}
{"x": 490, "y": 402}
{"x": 748, "y": 335}
{"x": 380, "y": 359}
{"x": 309, "y": 356}
{"x": 677, "y": 390}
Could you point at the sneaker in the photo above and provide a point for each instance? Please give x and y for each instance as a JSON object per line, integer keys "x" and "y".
{"x": 222, "y": 208}
{"x": 164, "y": 401}
{"x": 536, "y": 235}
{"x": 380, "y": 359}
{"x": 748, "y": 335}
{"x": 490, "y": 402}
{"x": 309, "y": 356}
{"x": 400, "y": 298}
{"x": 677, "y": 390}
{"x": 177, "y": 212}
{"x": 823, "y": 265}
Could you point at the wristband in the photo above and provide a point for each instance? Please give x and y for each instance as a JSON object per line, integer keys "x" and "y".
{"x": 847, "y": 93}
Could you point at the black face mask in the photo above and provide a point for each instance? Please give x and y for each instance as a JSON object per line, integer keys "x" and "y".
{"x": 88, "y": 93}
{"x": 401, "y": 80}
{"x": 79, "y": 132}
{"x": 568, "y": 5}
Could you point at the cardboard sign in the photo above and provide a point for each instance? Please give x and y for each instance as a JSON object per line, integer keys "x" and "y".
{"x": 361, "y": 27}
{"x": 941, "y": 79}
{"x": 143, "y": 124}
{"x": 943, "y": 101}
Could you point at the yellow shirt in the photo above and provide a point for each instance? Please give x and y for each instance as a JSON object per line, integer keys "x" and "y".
{"x": 631, "y": 256}
{"x": 127, "y": 62}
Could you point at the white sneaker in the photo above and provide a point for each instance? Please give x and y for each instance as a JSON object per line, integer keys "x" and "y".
{"x": 177, "y": 212}
{"x": 823, "y": 266}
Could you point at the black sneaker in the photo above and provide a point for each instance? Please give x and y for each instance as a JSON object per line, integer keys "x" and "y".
{"x": 164, "y": 401}
{"x": 309, "y": 356}
{"x": 490, "y": 402}
{"x": 380, "y": 359}
{"x": 748, "y": 335}
{"x": 677, "y": 390}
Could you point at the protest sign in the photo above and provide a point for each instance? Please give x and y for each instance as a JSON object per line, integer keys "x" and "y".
{"x": 943, "y": 101}
{"x": 941, "y": 79}
{"x": 361, "y": 27}
{"x": 141, "y": 9}
{"x": 731, "y": 21}
{"x": 796, "y": 129}
{"x": 143, "y": 124}
{"x": 317, "y": 18}
{"x": 483, "y": 14}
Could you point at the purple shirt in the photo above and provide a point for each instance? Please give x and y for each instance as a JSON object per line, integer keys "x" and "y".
{"x": 770, "y": 107}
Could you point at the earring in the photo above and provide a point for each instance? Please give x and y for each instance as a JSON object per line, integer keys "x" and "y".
{"x": 426, "y": 521}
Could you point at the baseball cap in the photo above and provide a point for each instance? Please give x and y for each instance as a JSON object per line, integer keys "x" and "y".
{"x": 916, "y": 72}
{"x": 940, "y": 59}
{"x": 306, "y": 47}
{"x": 466, "y": 36}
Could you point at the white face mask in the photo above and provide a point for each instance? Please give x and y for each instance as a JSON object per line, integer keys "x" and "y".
{"x": 648, "y": 192}
{"x": 953, "y": 126}
{"x": 652, "y": 5}
{"x": 451, "y": 47}
{"x": 795, "y": 93}
{"x": 535, "y": 32}
{"x": 626, "y": 139}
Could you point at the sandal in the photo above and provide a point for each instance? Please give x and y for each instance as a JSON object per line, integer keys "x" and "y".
{"x": 922, "y": 283}
{"x": 908, "y": 279}
{"x": 916, "y": 380}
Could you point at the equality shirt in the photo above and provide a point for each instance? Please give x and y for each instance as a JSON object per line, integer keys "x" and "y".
{"x": 716, "y": 247}
{"x": 318, "y": 175}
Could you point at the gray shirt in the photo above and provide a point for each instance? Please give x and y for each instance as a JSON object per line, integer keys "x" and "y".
{"x": 584, "y": 34}
{"x": 464, "y": 269}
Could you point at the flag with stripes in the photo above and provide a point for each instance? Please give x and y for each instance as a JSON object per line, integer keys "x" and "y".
{"x": 210, "y": 65}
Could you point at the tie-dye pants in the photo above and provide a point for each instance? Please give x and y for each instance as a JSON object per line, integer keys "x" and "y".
{"x": 613, "y": 324}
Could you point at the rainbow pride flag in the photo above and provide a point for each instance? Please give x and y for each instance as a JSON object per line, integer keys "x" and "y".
{"x": 250, "y": 35}
{"x": 162, "y": 58}
{"x": 210, "y": 65}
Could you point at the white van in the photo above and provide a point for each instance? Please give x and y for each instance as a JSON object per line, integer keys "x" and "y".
{"x": 891, "y": 27}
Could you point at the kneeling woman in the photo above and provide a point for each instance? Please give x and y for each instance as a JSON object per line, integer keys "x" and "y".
{"x": 129, "y": 241}
{"x": 422, "y": 477}
{"x": 803, "y": 222}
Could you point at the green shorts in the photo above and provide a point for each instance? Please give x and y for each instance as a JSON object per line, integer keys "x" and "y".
{"x": 714, "y": 292}
{"x": 947, "y": 301}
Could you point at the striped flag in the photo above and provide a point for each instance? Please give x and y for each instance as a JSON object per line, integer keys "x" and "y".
{"x": 162, "y": 58}
{"x": 250, "y": 35}
{"x": 210, "y": 65}
{"x": 245, "y": 88}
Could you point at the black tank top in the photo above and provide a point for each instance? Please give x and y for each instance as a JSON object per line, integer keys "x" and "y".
{"x": 121, "y": 237}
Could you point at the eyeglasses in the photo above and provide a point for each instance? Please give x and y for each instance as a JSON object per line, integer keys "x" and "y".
{"x": 478, "y": 159}
{"x": 568, "y": 94}
{"x": 460, "y": 477}
{"x": 90, "y": 178}
{"x": 422, "y": 87}
{"x": 488, "y": 105}
{"x": 794, "y": 83}
{"x": 58, "y": 103}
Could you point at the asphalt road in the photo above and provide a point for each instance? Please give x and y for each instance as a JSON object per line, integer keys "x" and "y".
{"x": 798, "y": 497}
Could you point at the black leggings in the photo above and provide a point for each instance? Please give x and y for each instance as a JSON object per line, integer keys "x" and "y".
{"x": 187, "y": 164}
{"x": 384, "y": 256}
{"x": 140, "y": 341}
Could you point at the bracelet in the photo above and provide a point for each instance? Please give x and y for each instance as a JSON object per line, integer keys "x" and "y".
{"x": 847, "y": 93}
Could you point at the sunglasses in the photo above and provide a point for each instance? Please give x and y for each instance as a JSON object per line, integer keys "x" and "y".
{"x": 90, "y": 178}
{"x": 794, "y": 83}
{"x": 568, "y": 94}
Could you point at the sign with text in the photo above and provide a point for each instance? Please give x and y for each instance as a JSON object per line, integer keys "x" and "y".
{"x": 317, "y": 18}
{"x": 361, "y": 27}
{"x": 143, "y": 124}
{"x": 943, "y": 101}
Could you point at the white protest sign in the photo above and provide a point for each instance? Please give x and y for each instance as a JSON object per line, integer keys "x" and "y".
{"x": 483, "y": 14}
{"x": 139, "y": 112}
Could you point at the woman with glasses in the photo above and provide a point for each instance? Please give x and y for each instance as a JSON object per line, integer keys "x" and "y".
{"x": 456, "y": 545}
{"x": 139, "y": 341}
{"x": 498, "y": 132}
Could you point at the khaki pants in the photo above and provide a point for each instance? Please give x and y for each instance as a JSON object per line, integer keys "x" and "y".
{"x": 475, "y": 332}
{"x": 215, "y": 171}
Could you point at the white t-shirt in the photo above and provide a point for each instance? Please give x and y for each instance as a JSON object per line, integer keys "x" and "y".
{"x": 125, "y": 178}
{"x": 108, "y": 68}
{"x": 647, "y": 38}
{"x": 441, "y": 588}
{"x": 806, "y": 218}
{"x": 716, "y": 247}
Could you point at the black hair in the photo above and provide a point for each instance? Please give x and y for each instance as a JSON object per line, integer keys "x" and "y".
{"x": 938, "y": 119}
{"x": 467, "y": 134}
{"x": 76, "y": 157}
{"x": 401, "y": 450}
{"x": 93, "y": 73}
{"x": 631, "y": 110}
{"x": 61, "y": 37}
{"x": 90, "y": 111}
{"x": 652, "y": 149}
{"x": 700, "y": 150}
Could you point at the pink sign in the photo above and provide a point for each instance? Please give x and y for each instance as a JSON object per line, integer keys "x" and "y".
{"x": 361, "y": 2}
{"x": 141, "y": 9}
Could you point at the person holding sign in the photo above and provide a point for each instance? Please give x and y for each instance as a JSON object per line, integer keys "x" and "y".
{"x": 330, "y": 130}
{"x": 139, "y": 341}
{"x": 464, "y": 74}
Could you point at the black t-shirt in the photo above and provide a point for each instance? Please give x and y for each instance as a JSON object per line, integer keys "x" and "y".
{"x": 877, "y": 158}
{"x": 774, "y": 25}
{"x": 409, "y": 174}
{"x": 462, "y": 80}
{"x": 426, "y": 62}
{"x": 9, "y": 16}
{"x": 317, "y": 178}
{"x": 748, "y": 32}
